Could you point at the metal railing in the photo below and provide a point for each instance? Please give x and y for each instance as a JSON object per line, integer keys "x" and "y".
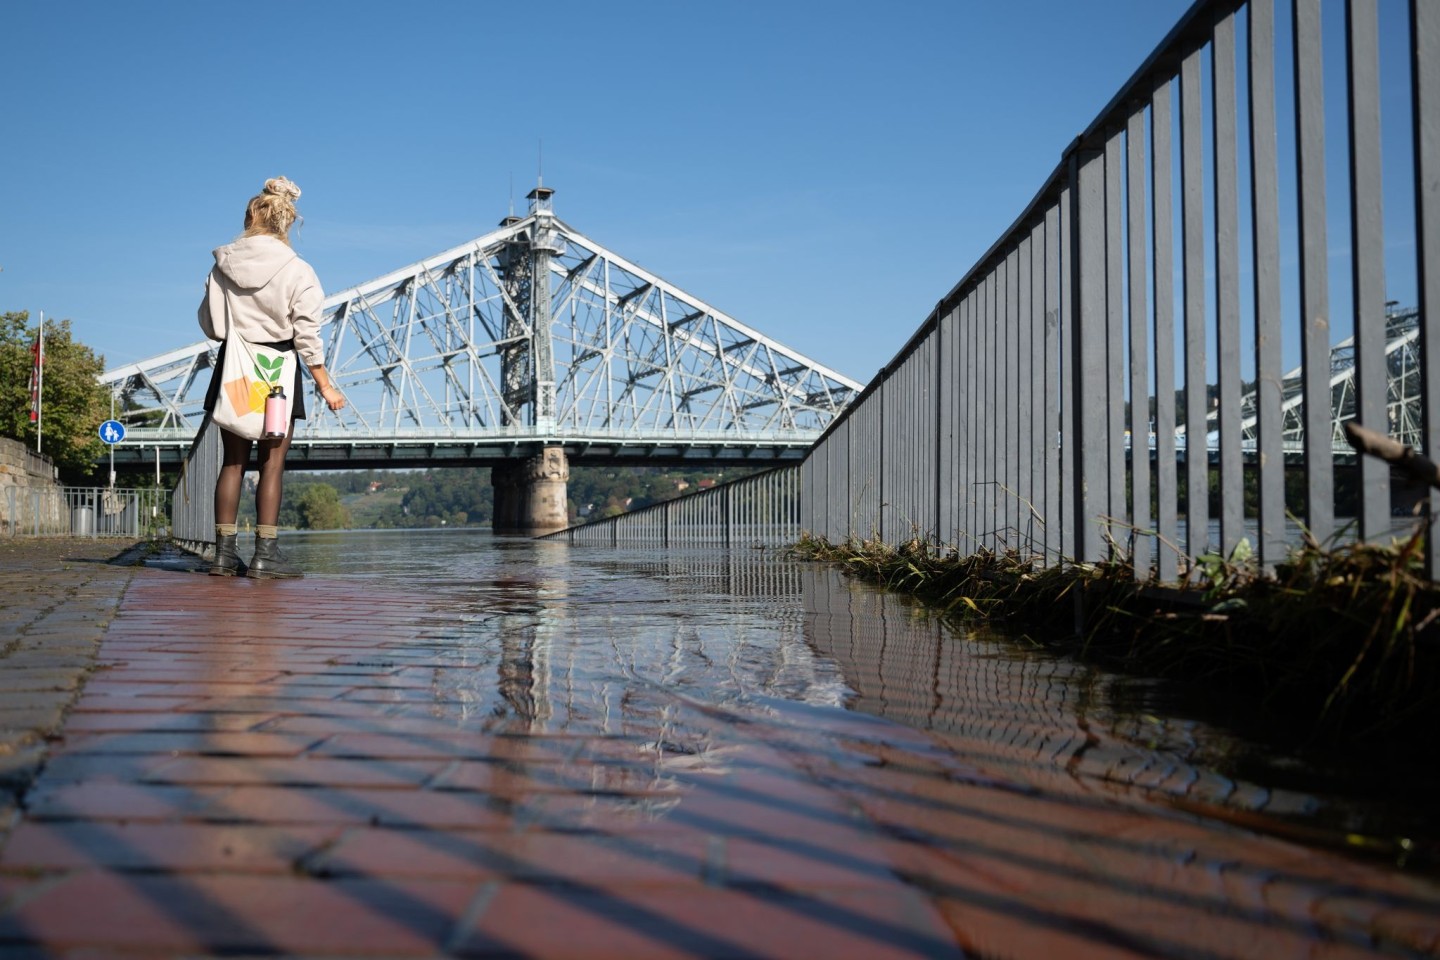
{"x": 761, "y": 510}
{"x": 1176, "y": 252}
{"x": 192, "y": 511}
{"x": 83, "y": 512}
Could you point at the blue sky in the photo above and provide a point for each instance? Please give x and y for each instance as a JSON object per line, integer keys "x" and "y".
{"x": 822, "y": 172}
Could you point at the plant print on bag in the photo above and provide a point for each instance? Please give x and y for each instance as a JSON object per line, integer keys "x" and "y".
{"x": 268, "y": 369}
{"x": 248, "y": 396}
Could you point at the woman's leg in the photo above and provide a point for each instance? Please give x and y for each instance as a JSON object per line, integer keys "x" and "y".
{"x": 272, "y": 478}
{"x": 232, "y": 473}
{"x": 268, "y": 561}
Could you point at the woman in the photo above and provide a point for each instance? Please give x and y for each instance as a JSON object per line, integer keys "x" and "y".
{"x": 275, "y": 300}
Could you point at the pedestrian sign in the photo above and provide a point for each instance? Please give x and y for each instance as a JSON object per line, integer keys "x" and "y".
{"x": 112, "y": 431}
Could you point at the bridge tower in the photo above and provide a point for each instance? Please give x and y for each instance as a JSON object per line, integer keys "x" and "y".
{"x": 530, "y": 496}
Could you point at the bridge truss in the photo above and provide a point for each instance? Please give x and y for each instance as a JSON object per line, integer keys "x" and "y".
{"x": 1403, "y": 420}
{"x": 531, "y": 333}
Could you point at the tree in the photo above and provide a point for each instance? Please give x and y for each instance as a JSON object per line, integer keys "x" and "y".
{"x": 75, "y": 402}
{"x": 320, "y": 508}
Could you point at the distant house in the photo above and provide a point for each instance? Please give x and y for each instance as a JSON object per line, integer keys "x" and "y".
{"x": 682, "y": 485}
{"x": 705, "y": 484}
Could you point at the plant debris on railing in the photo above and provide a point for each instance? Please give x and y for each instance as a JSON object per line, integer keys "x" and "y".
{"x": 1345, "y": 635}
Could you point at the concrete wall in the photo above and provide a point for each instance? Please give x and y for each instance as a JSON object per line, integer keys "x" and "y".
{"x": 31, "y": 500}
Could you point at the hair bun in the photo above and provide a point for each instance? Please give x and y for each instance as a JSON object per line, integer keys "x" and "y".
{"x": 282, "y": 187}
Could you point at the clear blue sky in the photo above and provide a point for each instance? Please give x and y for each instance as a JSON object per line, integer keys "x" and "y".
{"x": 822, "y": 172}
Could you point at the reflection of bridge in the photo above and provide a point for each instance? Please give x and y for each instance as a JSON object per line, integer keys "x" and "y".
{"x": 467, "y": 358}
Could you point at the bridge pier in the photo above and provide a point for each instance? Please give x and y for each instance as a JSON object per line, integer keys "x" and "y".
{"x": 530, "y": 496}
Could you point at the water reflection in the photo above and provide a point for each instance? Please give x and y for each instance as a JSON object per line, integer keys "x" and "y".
{"x": 1008, "y": 708}
{"x": 661, "y": 650}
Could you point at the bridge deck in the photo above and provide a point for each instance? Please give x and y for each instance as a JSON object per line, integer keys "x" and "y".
{"x": 335, "y": 453}
{"x": 318, "y": 767}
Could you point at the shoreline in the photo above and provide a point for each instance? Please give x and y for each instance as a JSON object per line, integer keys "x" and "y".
{"x": 1337, "y": 647}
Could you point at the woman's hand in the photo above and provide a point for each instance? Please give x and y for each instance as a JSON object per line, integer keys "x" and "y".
{"x": 333, "y": 398}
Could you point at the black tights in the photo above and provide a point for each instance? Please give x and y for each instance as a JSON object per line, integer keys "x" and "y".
{"x": 232, "y": 472}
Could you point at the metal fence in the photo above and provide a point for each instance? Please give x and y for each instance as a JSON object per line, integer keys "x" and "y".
{"x": 1171, "y": 267}
{"x": 759, "y": 510}
{"x": 193, "y": 508}
{"x": 83, "y": 512}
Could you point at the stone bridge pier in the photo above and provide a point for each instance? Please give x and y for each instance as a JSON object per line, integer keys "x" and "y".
{"x": 530, "y": 495}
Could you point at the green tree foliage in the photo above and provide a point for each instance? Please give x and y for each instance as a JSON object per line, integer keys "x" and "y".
{"x": 75, "y": 403}
{"x": 462, "y": 496}
{"x": 453, "y": 496}
{"x": 596, "y": 492}
{"x": 319, "y": 508}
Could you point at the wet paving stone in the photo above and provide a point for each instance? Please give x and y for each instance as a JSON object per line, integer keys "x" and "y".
{"x": 601, "y": 756}
{"x": 57, "y": 598}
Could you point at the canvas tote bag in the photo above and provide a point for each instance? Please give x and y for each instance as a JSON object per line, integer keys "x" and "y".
{"x": 248, "y": 373}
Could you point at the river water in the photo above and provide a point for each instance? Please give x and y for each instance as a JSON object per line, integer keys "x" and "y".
{"x": 552, "y": 638}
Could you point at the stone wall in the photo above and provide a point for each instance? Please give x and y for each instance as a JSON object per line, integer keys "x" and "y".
{"x": 30, "y": 496}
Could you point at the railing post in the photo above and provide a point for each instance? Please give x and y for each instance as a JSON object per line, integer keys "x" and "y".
{"x": 1264, "y": 191}
{"x": 1139, "y": 369}
{"x": 1162, "y": 247}
{"x": 1192, "y": 250}
{"x": 1087, "y": 343}
{"x": 1224, "y": 141}
{"x": 1069, "y": 459}
{"x": 1314, "y": 270}
{"x": 1425, "y": 71}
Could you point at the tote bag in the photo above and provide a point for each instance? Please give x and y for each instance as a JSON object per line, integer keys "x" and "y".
{"x": 246, "y": 376}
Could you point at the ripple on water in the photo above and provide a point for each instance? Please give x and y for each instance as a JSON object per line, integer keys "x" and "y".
{"x": 541, "y": 637}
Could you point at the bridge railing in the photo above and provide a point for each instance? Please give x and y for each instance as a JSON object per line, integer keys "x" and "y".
{"x": 761, "y": 510}
{"x": 82, "y": 511}
{"x": 1177, "y": 251}
{"x": 306, "y": 433}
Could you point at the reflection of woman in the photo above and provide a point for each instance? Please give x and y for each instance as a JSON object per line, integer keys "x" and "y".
{"x": 274, "y": 299}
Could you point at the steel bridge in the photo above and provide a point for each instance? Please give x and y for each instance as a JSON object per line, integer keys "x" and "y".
{"x": 1402, "y": 397}
{"x": 530, "y": 337}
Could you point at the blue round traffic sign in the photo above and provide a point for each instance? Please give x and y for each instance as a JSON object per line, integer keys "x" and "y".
{"x": 112, "y": 431}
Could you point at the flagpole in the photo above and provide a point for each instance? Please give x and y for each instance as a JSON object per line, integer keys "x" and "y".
{"x": 40, "y": 389}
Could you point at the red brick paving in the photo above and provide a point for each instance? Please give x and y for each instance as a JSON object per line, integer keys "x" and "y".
{"x": 321, "y": 777}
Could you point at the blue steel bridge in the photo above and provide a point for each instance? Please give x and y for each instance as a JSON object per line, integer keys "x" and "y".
{"x": 530, "y": 337}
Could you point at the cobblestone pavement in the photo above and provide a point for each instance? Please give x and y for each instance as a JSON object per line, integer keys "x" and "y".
{"x": 56, "y": 599}
{"x": 312, "y": 768}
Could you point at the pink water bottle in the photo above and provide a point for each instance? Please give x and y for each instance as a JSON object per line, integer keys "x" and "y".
{"x": 275, "y": 410}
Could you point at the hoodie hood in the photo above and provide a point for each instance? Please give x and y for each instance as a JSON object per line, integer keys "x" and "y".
{"x": 252, "y": 262}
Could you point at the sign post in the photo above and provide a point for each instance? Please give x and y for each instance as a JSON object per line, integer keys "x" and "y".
{"x": 112, "y": 432}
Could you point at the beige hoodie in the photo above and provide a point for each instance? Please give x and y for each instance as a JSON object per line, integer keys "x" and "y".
{"x": 272, "y": 293}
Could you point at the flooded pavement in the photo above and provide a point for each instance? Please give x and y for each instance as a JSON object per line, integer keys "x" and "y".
{"x": 448, "y": 744}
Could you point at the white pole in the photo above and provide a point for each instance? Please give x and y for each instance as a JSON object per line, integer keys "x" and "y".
{"x": 40, "y": 388}
{"x": 111, "y": 445}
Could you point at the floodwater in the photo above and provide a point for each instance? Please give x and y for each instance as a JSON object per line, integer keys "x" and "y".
{"x": 567, "y": 639}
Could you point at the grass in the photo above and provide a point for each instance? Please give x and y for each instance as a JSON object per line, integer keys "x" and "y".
{"x": 1343, "y": 642}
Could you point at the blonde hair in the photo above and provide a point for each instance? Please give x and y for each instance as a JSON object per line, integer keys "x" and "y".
{"x": 271, "y": 212}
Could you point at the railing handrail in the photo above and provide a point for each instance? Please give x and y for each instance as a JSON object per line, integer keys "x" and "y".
{"x": 86, "y": 511}
{"x": 780, "y": 523}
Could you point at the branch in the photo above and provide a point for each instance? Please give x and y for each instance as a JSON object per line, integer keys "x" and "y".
{"x": 1392, "y": 451}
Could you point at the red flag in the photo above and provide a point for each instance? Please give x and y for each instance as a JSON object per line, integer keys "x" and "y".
{"x": 38, "y": 360}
